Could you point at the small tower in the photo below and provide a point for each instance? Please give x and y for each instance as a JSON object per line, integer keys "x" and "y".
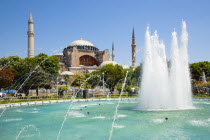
{"x": 133, "y": 45}
{"x": 113, "y": 55}
{"x": 30, "y": 36}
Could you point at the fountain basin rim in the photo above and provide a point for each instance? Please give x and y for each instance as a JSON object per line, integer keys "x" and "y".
{"x": 178, "y": 109}
{"x": 60, "y": 101}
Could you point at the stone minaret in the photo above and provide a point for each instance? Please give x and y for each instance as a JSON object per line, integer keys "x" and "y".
{"x": 113, "y": 55}
{"x": 133, "y": 45}
{"x": 30, "y": 36}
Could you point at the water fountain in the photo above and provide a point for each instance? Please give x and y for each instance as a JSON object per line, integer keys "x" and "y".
{"x": 164, "y": 88}
{"x": 117, "y": 106}
{"x": 25, "y": 80}
{"x": 35, "y": 131}
{"x": 70, "y": 106}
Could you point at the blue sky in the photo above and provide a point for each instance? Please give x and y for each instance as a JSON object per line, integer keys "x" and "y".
{"x": 59, "y": 22}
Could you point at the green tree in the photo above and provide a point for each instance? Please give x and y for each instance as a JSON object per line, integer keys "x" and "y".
{"x": 9, "y": 61}
{"x": 49, "y": 64}
{"x": 38, "y": 79}
{"x": 78, "y": 80}
{"x": 44, "y": 70}
{"x": 136, "y": 76}
{"x": 197, "y": 69}
{"x": 61, "y": 91}
{"x": 32, "y": 72}
{"x": 63, "y": 88}
{"x": 112, "y": 75}
{"x": 130, "y": 80}
{"x": 129, "y": 87}
{"x": 6, "y": 77}
{"x": 66, "y": 78}
{"x": 94, "y": 78}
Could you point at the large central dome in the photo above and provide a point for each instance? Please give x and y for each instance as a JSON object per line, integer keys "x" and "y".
{"x": 81, "y": 42}
{"x": 83, "y": 45}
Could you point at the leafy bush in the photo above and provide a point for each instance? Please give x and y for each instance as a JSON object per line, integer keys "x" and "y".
{"x": 63, "y": 88}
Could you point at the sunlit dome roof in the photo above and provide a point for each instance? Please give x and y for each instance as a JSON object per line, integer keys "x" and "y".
{"x": 59, "y": 54}
{"x": 125, "y": 66}
{"x": 107, "y": 62}
{"x": 81, "y": 42}
{"x": 66, "y": 73}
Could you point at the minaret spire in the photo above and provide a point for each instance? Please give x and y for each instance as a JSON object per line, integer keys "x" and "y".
{"x": 30, "y": 18}
{"x": 113, "y": 55}
{"x": 133, "y": 45}
{"x": 30, "y": 36}
{"x": 133, "y": 34}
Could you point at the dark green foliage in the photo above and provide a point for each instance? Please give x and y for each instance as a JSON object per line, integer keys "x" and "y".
{"x": 197, "y": 69}
{"x": 6, "y": 77}
{"x": 80, "y": 81}
{"x": 95, "y": 78}
{"x": 112, "y": 75}
{"x": 63, "y": 88}
{"x": 42, "y": 69}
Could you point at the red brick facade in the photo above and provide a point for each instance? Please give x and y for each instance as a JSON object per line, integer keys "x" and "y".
{"x": 82, "y": 58}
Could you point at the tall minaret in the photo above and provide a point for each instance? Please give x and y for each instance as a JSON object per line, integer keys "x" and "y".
{"x": 133, "y": 45}
{"x": 113, "y": 55}
{"x": 30, "y": 36}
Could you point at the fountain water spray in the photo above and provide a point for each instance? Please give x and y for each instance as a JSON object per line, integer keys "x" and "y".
{"x": 116, "y": 108}
{"x": 70, "y": 106}
{"x": 24, "y": 83}
{"x": 163, "y": 87}
{"x": 26, "y": 128}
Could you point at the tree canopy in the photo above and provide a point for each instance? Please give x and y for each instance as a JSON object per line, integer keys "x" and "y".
{"x": 6, "y": 77}
{"x": 197, "y": 69}
{"x": 112, "y": 75}
{"x": 41, "y": 69}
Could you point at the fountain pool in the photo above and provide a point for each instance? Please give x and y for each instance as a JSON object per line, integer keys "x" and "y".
{"x": 43, "y": 121}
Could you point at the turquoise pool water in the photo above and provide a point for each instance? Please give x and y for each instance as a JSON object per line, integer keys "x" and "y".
{"x": 44, "y": 121}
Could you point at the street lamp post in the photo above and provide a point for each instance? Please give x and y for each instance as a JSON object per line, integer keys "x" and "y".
{"x": 103, "y": 83}
{"x": 57, "y": 84}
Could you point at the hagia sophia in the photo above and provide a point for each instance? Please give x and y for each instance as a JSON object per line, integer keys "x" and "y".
{"x": 81, "y": 55}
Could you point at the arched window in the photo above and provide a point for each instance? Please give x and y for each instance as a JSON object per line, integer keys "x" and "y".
{"x": 88, "y": 60}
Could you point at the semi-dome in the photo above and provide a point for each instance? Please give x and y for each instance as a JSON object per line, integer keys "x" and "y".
{"x": 107, "y": 62}
{"x": 125, "y": 66}
{"x": 59, "y": 54}
{"x": 81, "y": 42}
{"x": 66, "y": 73}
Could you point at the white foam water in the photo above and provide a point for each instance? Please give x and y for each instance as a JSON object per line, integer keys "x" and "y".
{"x": 28, "y": 128}
{"x": 119, "y": 126}
{"x": 76, "y": 108}
{"x": 14, "y": 119}
{"x": 198, "y": 123}
{"x": 75, "y": 114}
{"x": 165, "y": 85}
{"x": 99, "y": 117}
{"x": 35, "y": 109}
{"x": 158, "y": 121}
{"x": 121, "y": 116}
{"x": 34, "y": 112}
{"x": 18, "y": 110}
